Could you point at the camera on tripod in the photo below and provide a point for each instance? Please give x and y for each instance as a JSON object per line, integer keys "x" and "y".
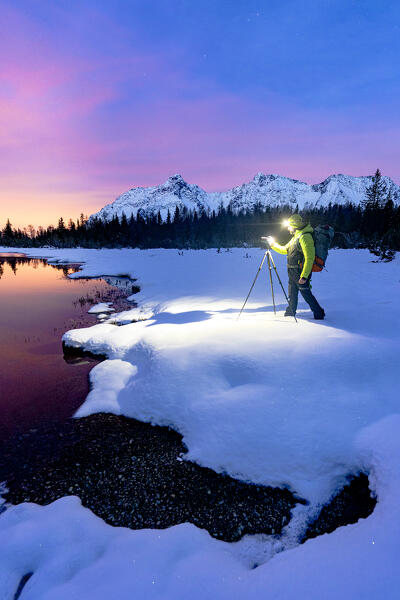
{"x": 268, "y": 239}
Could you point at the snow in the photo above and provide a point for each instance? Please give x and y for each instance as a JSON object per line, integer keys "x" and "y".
{"x": 74, "y": 554}
{"x": 266, "y": 190}
{"x": 263, "y": 399}
{"x": 165, "y": 197}
{"x": 107, "y": 379}
{"x": 101, "y": 307}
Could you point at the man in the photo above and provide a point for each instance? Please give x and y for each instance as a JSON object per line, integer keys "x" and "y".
{"x": 300, "y": 252}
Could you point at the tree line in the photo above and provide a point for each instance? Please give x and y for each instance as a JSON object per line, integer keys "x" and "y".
{"x": 375, "y": 224}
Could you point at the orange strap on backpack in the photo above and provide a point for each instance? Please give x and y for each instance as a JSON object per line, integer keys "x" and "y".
{"x": 318, "y": 265}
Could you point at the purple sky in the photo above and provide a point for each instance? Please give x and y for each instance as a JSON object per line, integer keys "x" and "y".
{"x": 98, "y": 97}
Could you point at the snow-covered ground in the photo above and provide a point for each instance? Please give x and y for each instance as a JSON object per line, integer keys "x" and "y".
{"x": 264, "y": 399}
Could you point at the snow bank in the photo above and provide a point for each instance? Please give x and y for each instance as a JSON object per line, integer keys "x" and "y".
{"x": 73, "y": 554}
{"x": 262, "y": 398}
{"x": 107, "y": 379}
{"x": 221, "y": 384}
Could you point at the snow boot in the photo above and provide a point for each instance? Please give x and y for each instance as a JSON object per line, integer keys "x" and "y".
{"x": 319, "y": 316}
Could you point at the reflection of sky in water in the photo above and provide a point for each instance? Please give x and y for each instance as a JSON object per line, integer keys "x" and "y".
{"x": 37, "y": 304}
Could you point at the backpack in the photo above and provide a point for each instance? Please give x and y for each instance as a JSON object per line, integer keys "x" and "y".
{"x": 323, "y": 236}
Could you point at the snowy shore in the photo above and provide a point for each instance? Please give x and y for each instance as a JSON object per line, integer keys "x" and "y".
{"x": 263, "y": 398}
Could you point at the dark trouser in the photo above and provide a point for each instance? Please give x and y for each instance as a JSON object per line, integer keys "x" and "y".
{"x": 305, "y": 290}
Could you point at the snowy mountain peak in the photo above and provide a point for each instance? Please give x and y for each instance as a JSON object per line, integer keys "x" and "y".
{"x": 262, "y": 178}
{"x": 175, "y": 181}
{"x": 177, "y": 186}
{"x": 266, "y": 190}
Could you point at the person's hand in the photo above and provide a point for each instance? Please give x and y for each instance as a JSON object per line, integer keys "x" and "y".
{"x": 270, "y": 240}
{"x": 302, "y": 281}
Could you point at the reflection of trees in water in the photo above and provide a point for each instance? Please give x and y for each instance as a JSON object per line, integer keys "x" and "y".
{"x": 14, "y": 261}
{"x": 115, "y": 291}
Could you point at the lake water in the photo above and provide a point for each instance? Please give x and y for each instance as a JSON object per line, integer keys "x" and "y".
{"x": 38, "y": 303}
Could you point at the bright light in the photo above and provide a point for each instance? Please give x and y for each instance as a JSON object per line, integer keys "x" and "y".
{"x": 285, "y": 223}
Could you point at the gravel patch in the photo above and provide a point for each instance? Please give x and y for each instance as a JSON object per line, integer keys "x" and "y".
{"x": 132, "y": 474}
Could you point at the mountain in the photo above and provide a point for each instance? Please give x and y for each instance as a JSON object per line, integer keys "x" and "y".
{"x": 267, "y": 190}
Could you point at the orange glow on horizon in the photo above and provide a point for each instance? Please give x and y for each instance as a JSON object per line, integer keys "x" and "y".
{"x": 46, "y": 209}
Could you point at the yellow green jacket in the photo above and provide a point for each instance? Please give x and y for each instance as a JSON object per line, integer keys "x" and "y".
{"x": 307, "y": 247}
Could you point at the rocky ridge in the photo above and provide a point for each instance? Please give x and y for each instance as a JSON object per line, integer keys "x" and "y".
{"x": 266, "y": 190}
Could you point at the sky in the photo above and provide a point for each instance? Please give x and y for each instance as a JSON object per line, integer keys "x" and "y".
{"x": 97, "y": 97}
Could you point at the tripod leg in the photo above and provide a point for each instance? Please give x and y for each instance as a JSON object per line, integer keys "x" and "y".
{"x": 280, "y": 282}
{"x": 271, "y": 282}
{"x": 253, "y": 284}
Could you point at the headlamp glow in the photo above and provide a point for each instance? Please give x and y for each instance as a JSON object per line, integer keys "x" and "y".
{"x": 286, "y": 223}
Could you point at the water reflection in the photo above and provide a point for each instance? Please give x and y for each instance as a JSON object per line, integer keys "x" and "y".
{"x": 38, "y": 303}
{"x": 14, "y": 260}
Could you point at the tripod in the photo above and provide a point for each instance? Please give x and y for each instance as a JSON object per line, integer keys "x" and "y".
{"x": 271, "y": 265}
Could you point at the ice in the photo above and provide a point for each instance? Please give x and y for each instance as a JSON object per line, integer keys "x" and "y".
{"x": 101, "y": 307}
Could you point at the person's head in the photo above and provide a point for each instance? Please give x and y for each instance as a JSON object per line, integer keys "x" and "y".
{"x": 295, "y": 222}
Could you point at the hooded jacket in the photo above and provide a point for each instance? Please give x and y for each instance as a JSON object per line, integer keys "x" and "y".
{"x": 300, "y": 249}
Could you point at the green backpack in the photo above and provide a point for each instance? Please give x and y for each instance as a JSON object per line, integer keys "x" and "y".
{"x": 322, "y": 236}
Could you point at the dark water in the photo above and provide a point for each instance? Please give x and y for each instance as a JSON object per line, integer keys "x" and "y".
{"x": 38, "y": 303}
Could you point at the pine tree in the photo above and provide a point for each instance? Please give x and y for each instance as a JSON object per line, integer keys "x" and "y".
{"x": 176, "y": 215}
{"x": 8, "y": 234}
{"x": 376, "y": 193}
{"x": 386, "y": 247}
